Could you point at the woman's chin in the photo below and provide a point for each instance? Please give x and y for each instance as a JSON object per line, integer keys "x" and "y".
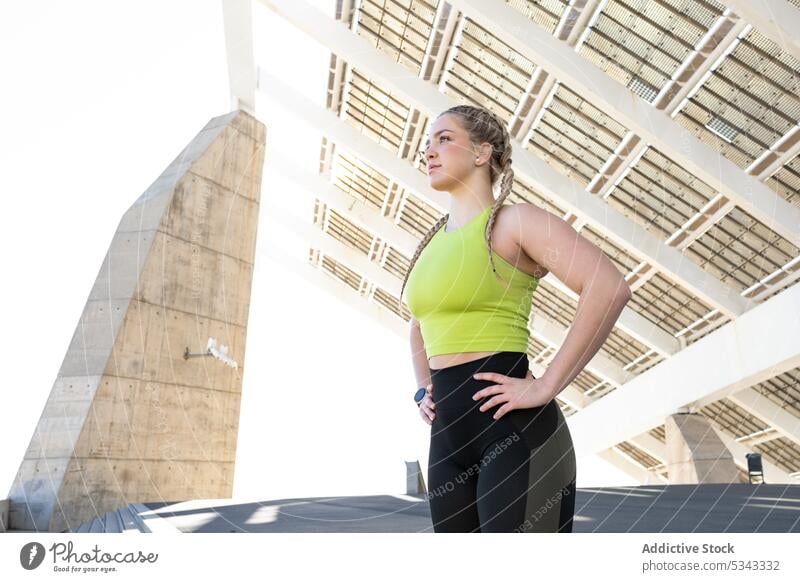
{"x": 438, "y": 182}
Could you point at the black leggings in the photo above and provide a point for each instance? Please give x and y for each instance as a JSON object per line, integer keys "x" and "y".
{"x": 513, "y": 474}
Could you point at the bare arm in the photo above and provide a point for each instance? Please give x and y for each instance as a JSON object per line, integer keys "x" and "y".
{"x": 419, "y": 358}
{"x": 554, "y": 244}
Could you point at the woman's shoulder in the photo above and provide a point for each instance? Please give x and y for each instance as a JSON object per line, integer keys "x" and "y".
{"x": 519, "y": 213}
{"x": 510, "y": 221}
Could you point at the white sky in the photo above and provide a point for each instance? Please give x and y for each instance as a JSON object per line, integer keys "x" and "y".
{"x": 98, "y": 98}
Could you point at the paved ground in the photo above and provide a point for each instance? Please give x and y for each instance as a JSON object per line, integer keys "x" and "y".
{"x": 731, "y": 507}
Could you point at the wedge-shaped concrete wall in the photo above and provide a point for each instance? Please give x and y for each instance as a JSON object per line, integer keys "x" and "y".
{"x": 129, "y": 419}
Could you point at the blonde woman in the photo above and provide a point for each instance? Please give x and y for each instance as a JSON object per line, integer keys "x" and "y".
{"x": 501, "y": 456}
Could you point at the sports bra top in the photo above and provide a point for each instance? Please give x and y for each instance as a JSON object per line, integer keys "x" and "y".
{"x": 460, "y": 303}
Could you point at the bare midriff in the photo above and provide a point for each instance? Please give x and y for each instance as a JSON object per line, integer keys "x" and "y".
{"x": 447, "y": 360}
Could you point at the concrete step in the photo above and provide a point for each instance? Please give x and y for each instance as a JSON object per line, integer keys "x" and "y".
{"x": 112, "y": 522}
{"x": 129, "y": 523}
{"x": 123, "y": 520}
{"x": 152, "y": 522}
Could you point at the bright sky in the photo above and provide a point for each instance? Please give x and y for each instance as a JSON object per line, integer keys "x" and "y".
{"x": 98, "y": 99}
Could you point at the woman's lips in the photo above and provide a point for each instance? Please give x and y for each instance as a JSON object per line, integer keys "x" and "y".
{"x": 434, "y": 168}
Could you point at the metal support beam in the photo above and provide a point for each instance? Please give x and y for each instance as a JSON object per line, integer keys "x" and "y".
{"x": 720, "y": 39}
{"x": 628, "y": 465}
{"x": 238, "y": 19}
{"x": 655, "y": 126}
{"x": 786, "y": 423}
{"x": 650, "y": 445}
{"x": 762, "y": 436}
{"x": 772, "y": 473}
{"x": 734, "y": 357}
{"x": 778, "y": 155}
{"x": 340, "y": 290}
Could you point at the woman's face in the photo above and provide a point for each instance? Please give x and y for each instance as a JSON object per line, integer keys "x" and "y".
{"x": 449, "y": 155}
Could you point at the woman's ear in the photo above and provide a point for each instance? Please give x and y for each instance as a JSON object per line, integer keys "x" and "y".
{"x": 483, "y": 154}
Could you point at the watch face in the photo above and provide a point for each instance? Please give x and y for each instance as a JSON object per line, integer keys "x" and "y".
{"x": 419, "y": 395}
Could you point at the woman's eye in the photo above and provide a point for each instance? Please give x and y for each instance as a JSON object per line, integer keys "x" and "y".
{"x": 441, "y": 137}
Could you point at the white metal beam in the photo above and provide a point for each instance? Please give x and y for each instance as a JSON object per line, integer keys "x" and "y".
{"x": 348, "y": 256}
{"x": 778, "y": 155}
{"x": 339, "y": 289}
{"x": 734, "y": 357}
{"x": 651, "y": 445}
{"x": 719, "y": 40}
{"x": 762, "y": 436}
{"x": 655, "y": 126}
{"x": 776, "y": 19}
{"x": 360, "y": 145}
{"x": 716, "y": 43}
{"x": 656, "y": 449}
{"x": 786, "y": 423}
{"x": 575, "y": 20}
{"x": 238, "y": 22}
{"x": 444, "y": 24}
{"x": 572, "y": 22}
{"x": 739, "y": 452}
{"x": 602, "y": 366}
{"x": 355, "y": 210}
{"x": 610, "y": 222}
{"x": 772, "y": 473}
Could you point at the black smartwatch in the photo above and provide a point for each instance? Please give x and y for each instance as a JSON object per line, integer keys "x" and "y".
{"x": 419, "y": 395}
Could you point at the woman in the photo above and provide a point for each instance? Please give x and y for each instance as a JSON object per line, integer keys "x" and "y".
{"x": 501, "y": 456}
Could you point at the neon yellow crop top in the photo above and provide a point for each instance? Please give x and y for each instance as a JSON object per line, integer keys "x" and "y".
{"x": 460, "y": 303}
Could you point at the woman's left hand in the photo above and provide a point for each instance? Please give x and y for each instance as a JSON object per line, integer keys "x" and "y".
{"x": 527, "y": 392}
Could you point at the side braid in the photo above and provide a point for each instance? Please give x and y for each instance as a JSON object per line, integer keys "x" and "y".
{"x": 422, "y": 244}
{"x": 500, "y": 164}
{"x": 505, "y": 190}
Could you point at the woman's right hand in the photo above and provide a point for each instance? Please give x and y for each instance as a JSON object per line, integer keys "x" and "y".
{"x": 427, "y": 405}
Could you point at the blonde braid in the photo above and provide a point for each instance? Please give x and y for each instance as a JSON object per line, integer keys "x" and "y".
{"x": 422, "y": 244}
{"x": 505, "y": 190}
{"x": 500, "y": 164}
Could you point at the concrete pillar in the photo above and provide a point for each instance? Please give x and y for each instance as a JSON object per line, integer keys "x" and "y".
{"x": 129, "y": 419}
{"x": 695, "y": 453}
{"x": 415, "y": 483}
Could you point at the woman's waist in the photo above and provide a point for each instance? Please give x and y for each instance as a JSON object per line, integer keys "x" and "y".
{"x": 454, "y": 386}
{"x": 447, "y": 360}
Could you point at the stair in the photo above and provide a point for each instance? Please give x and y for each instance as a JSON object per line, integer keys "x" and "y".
{"x": 128, "y": 520}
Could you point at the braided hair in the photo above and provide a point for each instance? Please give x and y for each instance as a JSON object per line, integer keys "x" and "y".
{"x": 482, "y": 126}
